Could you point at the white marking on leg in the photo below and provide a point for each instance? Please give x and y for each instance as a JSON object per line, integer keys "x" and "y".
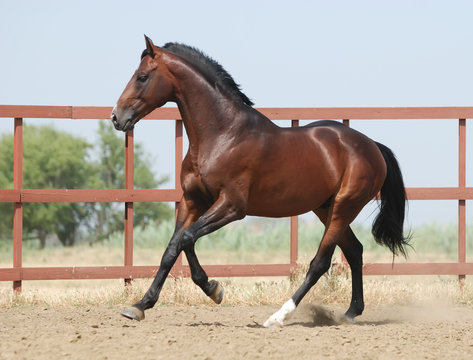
{"x": 277, "y": 319}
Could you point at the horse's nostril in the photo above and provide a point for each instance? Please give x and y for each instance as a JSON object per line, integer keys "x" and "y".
{"x": 114, "y": 119}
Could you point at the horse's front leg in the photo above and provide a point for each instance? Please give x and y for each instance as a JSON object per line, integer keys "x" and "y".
{"x": 224, "y": 211}
{"x": 186, "y": 215}
{"x": 137, "y": 311}
{"x": 212, "y": 288}
{"x": 185, "y": 235}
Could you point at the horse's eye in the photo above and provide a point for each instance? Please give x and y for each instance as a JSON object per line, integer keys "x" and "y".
{"x": 142, "y": 78}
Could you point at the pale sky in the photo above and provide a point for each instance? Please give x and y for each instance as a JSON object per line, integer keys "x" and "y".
{"x": 297, "y": 54}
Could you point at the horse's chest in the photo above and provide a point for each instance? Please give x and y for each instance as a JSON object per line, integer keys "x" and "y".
{"x": 198, "y": 183}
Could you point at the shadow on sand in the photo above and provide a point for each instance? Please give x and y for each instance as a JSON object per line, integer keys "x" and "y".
{"x": 313, "y": 315}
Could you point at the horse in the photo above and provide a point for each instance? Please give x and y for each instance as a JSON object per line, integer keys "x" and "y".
{"x": 240, "y": 163}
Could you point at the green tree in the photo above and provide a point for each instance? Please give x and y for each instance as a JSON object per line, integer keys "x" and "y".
{"x": 51, "y": 160}
{"x": 6, "y": 182}
{"x": 110, "y": 174}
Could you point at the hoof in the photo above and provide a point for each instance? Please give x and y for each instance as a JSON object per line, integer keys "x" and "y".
{"x": 272, "y": 323}
{"x": 133, "y": 313}
{"x": 217, "y": 294}
{"x": 347, "y": 319}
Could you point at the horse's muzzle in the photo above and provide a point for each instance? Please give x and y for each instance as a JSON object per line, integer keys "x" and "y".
{"x": 120, "y": 125}
{"x": 115, "y": 121}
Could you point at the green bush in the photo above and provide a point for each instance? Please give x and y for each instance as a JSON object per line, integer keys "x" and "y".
{"x": 270, "y": 236}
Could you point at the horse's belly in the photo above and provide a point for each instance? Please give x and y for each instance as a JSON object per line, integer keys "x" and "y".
{"x": 286, "y": 203}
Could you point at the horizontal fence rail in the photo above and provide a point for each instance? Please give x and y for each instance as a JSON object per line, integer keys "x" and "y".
{"x": 18, "y": 195}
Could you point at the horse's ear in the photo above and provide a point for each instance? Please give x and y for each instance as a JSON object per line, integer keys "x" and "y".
{"x": 150, "y": 47}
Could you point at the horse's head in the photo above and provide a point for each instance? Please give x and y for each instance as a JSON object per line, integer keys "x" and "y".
{"x": 150, "y": 87}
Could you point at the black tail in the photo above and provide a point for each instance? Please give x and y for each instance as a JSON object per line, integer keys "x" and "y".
{"x": 388, "y": 225}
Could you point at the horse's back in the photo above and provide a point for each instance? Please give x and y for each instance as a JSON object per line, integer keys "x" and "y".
{"x": 349, "y": 138}
{"x": 301, "y": 168}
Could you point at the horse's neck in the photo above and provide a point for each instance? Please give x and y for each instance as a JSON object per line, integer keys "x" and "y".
{"x": 206, "y": 112}
{"x": 211, "y": 117}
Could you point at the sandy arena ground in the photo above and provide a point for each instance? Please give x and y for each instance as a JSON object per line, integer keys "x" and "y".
{"x": 234, "y": 332}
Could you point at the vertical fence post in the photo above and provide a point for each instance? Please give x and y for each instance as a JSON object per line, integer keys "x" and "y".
{"x": 129, "y": 185}
{"x": 18, "y": 206}
{"x": 346, "y": 122}
{"x": 178, "y": 152}
{"x": 461, "y": 202}
{"x": 294, "y": 245}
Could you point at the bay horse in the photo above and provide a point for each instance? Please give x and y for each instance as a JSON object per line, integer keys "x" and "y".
{"x": 240, "y": 163}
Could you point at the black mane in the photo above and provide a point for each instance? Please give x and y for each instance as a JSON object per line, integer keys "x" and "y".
{"x": 211, "y": 69}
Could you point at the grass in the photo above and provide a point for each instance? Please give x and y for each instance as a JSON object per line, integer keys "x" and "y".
{"x": 251, "y": 241}
{"x": 334, "y": 288}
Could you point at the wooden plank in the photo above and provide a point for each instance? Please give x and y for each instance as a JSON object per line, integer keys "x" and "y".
{"x": 240, "y": 270}
{"x": 105, "y": 195}
{"x": 171, "y": 113}
{"x": 77, "y": 112}
{"x": 439, "y": 193}
{"x": 164, "y": 113}
{"x": 461, "y": 231}
{"x": 461, "y": 184}
{"x": 249, "y": 270}
{"x": 104, "y": 112}
{"x": 178, "y": 153}
{"x": 10, "y": 195}
{"x": 35, "y": 111}
{"x": 136, "y": 272}
{"x": 18, "y": 154}
{"x": 18, "y": 206}
{"x": 368, "y": 113}
{"x": 129, "y": 185}
{"x": 419, "y": 269}
{"x": 462, "y": 153}
{"x": 172, "y": 195}
{"x": 75, "y": 273}
{"x": 10, "y": 274}
{"x": 91, "y": 112}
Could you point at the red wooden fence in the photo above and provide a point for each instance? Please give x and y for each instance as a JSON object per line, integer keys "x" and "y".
{"x": 18, "y": 196}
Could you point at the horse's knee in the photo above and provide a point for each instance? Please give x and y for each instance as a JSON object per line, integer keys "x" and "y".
{"x": 187, "y": 240}
{"x": 317, "y": 268}
{"x": 321, "y": 265}
{"x": 355, "y": 261}
{"x": 357, "y": 248}
{"x": 170, "y": 255}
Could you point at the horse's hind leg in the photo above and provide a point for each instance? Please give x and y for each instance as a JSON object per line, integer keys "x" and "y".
{"x": 339, "y": 216}
{"x": 318, "y": 266}
{"x": 353, "y": 251}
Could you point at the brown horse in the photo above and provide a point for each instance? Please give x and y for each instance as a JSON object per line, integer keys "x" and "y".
{"x": 240, "y": 163}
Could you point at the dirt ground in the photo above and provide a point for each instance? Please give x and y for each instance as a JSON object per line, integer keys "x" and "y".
{"x": 235, "y": 332}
